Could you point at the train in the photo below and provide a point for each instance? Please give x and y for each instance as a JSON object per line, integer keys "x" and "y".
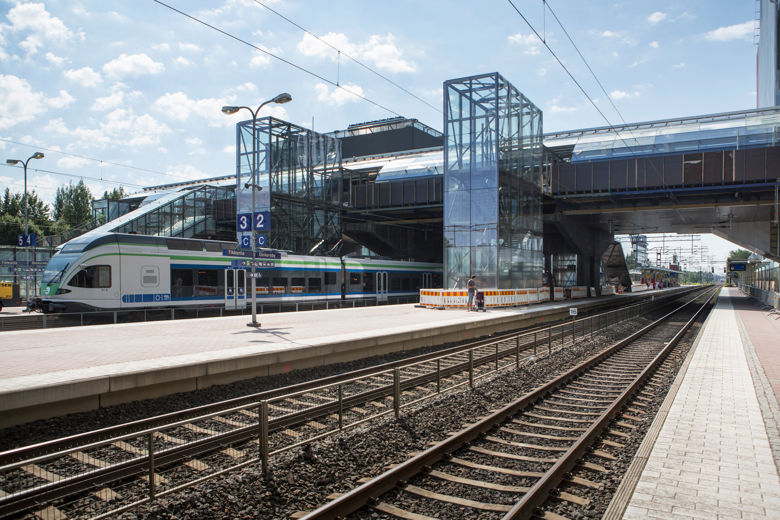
{"x": 118, "y": 271}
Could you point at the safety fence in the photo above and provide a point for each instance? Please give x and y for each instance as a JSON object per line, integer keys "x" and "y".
{"x": 770, "y": 298}
{"x": 497, "y": 298}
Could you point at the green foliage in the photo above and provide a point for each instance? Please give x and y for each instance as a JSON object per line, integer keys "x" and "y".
{"x": 630, "y": 261}
{"x": 115, "y": 194}
{"x": 73, "y": 204}
{"x": 739, "y": 254}
{"x": 12, "y": 205}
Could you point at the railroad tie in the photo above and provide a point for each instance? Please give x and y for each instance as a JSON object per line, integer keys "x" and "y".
{"x": 50, "y": 513}
{"x": 34, "y": 469}
{"x": 457, "y": 500}
{"x": 539, "y": 447}
{"x": 232, "y": 452}
{"x": 495, "y": 469}
{"x": 105, "y": 494}
{"x": 574, "y": 499}
{"x": 197, "y": 465}
{"x": 400, "y": 513}
{"x": 89, "y": 460}
{"x": 511, "y": 456}
{"x": 477, "y": 483}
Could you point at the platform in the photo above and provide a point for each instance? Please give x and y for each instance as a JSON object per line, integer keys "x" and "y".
{"x": 54, "y": 371}
{"x": 714, "y": 450}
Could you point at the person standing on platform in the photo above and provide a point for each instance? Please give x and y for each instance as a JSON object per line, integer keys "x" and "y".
{"x": 472, "y": 288}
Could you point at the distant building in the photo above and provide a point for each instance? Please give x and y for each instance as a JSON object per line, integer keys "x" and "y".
{"x": 639, "y": 245}
{"x": 768, "y": 59}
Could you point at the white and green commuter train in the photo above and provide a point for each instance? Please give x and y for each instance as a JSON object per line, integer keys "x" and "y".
{"x": 115, "y": 271}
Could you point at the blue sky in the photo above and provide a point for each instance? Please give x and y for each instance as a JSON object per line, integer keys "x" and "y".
{"x": 129, "y": 92}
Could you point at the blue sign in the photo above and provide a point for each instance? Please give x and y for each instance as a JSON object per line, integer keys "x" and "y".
{"x": 261, "y": 240}
{"x": 26, "y": 240}
{"x": 262, "y": 221}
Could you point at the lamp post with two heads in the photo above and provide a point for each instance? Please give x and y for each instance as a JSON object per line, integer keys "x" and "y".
{"x": 281, "y": 98}
{"x": 36, "y": 155}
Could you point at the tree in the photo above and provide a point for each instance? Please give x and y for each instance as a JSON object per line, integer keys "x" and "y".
{"x": 73, "y": 204}
{"x": 12, "y": 205}
{"x": 739, "y": 254}
{"x": 630, "y": 261}
{"x": 115, "y": 194}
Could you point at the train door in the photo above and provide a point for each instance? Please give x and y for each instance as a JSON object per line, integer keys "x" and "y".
{"x": 427, "y": 282}
{"x": 235, "y": 289}
{"x": 381, "y": 286}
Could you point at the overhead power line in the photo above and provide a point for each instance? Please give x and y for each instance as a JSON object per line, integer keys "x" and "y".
{"x": 271, "y": 54}
{"x": 582, "y": 89}
{"x": 342, "y": 53}
{"x": 77, "y": 176}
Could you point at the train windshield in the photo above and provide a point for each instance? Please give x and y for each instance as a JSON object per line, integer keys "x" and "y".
{"x": 56, "y": 267}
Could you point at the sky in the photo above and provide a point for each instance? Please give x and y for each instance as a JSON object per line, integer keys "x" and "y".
{"x": 128, "y": 93}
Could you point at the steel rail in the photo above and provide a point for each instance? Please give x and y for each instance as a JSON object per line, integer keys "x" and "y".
{"x": 69, "y": 486}
{"x": 360, "y": 496}
{"x": 56, "y": 445}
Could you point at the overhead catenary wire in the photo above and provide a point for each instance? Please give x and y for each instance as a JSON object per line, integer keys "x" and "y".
{"x": 342, "y": 53}
{"x": 79, "y": 176}
{"x": 571, "y": 76}
{"x": 283, "y": 60}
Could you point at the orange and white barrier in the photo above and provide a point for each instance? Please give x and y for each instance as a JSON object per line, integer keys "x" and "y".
{"x": 277, "y": 289}
{"x": 579, "y": 292}
{"x": 608, "y": 290}
{"x": 454, "y": 298}
{"x": 558, "y": 294}
{"x": 296, "y": 289}
{"x": 544, "y": 294}
{"x": 522, "y": 296}
{"x": 261, "y": 290}
{"x": 431, "y": 298}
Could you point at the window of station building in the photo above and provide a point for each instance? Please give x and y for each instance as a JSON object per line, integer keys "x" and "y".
{"x": 92, "y": 277}
{"x": 315, "y": 285}
{"x": 330, "y": 278}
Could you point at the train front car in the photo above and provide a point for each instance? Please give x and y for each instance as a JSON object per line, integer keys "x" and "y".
{"x": 82, "y": 275}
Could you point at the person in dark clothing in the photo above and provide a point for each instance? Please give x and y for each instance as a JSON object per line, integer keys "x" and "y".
{"x": 472, "y": 288}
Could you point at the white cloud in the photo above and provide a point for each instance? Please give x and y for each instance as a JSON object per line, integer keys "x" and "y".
{"x": 85, "y": 76}
{"x": 132, "y": 65}
{"x": 54, "y": 59}
{"x": 654, "y": 44}
{"x": 260, "y": 60}
{"x": 230, "y": 148}
{"x": 680, "y": 65}
{"x": 73, "y": 163}
{"x": 18, "y": 102}
{"x": 42, "y": 26}
{"x": 181, "y": 60}
{"x": 61, "y": 101}
{"x": 161, "y": 47}
{"x": 337, "y": 96}
{"x": 186, "y": 171}
{"x": 656, "y": 17}
{"x": 740, "y": 31}
{"x": 555, "y": 108}
{"x": 638, "y": 63}
{"x": 529, "y": 42}
{"x": 542, "y": 72}
{"x": 609, "y": 34}
{"x": 124, "y": 126}
{"x": 379, "y": 50}
{"x": 113, "y": 100}
{"x": 178, "y": 106}
{"x": 194, "y": 141}
{"x": 189, "y": 47}
{"x": 621, "y": 94}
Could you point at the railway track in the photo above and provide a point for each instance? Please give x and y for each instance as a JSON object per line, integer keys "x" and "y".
{"x": 513, "y": 461}
{"x": 118, "y": 468}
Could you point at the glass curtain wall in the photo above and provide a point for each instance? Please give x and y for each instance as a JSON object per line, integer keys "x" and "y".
{"x": 300, "y": 174}
{"x": 492, "y": 184}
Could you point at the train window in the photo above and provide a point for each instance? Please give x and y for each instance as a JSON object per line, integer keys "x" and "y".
{"x": 315, "y": 285}
{"x": 354, "y": 278}
{"x": 330, "y": 278}
{"x": 406, "y": 284}
{"x": 92, "y": 277}
{"x": 181, "y": 283}
{"x": 395, "y": 284}
{"x": 184, "y": 245}
{"x": 298, "y": 282}
{"x": 368, "y": 282}
{"x": 213, "y": 246}
{"x": 280, "y": 282}
{"x": 206, "y": 283}
{"x": 150, "y": 276}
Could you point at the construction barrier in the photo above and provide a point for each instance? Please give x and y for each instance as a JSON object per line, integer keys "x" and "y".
{"x": 544, "y": 294}
{"x": 296, "y": 289}
{"x": 558, "y": 294}
{"x": 431, "y": 298}
{"x": 608, "y": 290}
{"x": 277, "y": 289}
{"x": 522, "y": 296}
{"x": 454, "y": 298}
{"x": 579, "y": 292}
{"x": 639, "y": 287}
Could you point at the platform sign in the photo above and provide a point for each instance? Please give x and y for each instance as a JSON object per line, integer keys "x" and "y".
{"x": 572, "y": 311}
{"x": 27, "y": 240}
{"x": 261, "y": 219}
{"x": 245, "y": 240}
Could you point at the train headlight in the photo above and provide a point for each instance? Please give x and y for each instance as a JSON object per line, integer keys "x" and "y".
{"x": 62, "y": 291}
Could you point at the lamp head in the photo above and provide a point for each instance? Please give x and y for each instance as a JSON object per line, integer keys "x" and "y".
{"x": 37, "y": 155}
{"x": 12, "y": 161}
{"x": 230, "y": 110}
{"x": 282, "y": 98}
{"x": 255, "y": 186}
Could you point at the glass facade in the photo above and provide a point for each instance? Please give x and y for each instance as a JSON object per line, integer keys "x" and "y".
{"x": 300, "y": 173}
{"x": 492, "y": 184}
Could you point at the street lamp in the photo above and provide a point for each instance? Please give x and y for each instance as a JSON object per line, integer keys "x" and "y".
{"x": 36, "y": 155}
{"x": 281, "y": 98}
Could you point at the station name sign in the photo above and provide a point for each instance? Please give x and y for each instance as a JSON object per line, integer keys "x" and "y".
{"x": 263, "y": 255}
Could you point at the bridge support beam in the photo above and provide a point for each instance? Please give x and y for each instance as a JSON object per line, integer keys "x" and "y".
{"x": 581, "y": 235}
